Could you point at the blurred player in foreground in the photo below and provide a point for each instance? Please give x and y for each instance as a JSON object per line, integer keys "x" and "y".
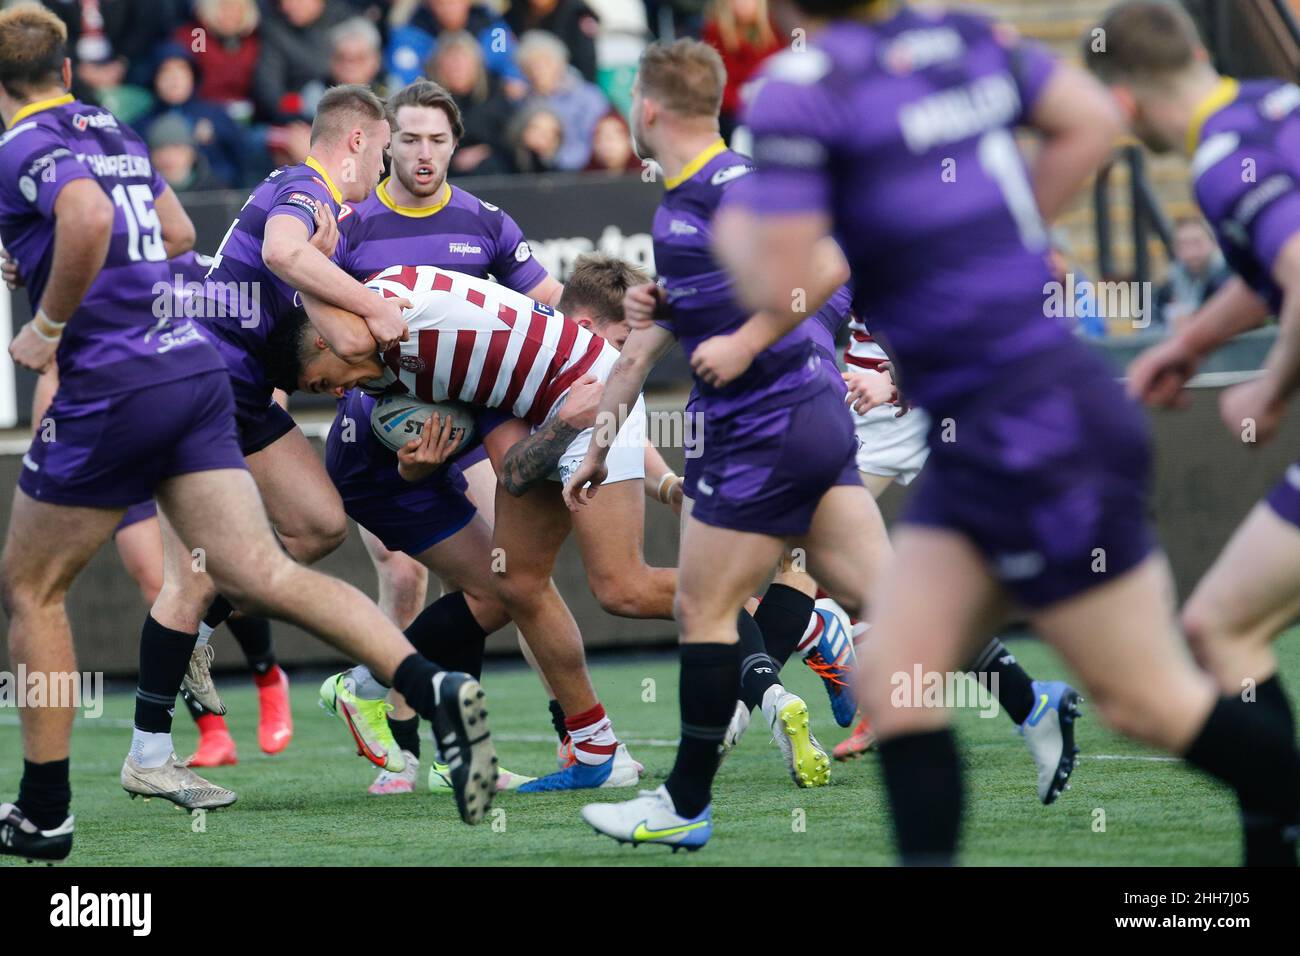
{"x": 1160, "y": 75}
{"x": 1038, "y": 496}
{"x": 778, "y": 467}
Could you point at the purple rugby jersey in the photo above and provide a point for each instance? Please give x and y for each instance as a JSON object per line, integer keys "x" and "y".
{"x": 118, "y": 339}
{"x": 701, "y": 299}
{"x": 862, "y": 127}
{"x": 824, "y": 324}
{"x": 1253, "y": 126}
{"x": 244, "y": 297}
{"x": 463, "y": 234}
{"x": 1256, "y": 127}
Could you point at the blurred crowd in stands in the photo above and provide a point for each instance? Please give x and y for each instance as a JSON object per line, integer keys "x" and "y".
{"x": 224, "y": 90}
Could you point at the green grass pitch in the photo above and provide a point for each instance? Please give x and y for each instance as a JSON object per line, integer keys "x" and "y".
{"x": 309, "y": 806}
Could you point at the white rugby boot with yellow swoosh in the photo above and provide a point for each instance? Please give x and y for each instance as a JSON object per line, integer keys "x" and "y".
{"x": 650, "y": 818}
{"x": 1049, "y": 734}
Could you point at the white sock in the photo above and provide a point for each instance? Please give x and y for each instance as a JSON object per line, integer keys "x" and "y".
{"x": 149, "y": 749}
{"x": 205, "y": 633}
{"x": 770, "y": 697}
{"x": 365, "y": 685}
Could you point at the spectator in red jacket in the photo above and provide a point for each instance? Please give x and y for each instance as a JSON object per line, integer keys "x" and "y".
{"x": 224, "y": 41}
{"x": 742, "y": 32}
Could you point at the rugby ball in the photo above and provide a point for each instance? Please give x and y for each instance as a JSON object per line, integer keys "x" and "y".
{"x": 396, "y": 419}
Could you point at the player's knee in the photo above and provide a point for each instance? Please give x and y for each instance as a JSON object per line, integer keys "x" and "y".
{"x": 320, "y": 536}
{"x": 487, "y": 609}
{"x": 406, "y": 579}
{"x": 620, "y": 595}
{"x": 1204, "y": 627}
{"x": 518, "y": 589}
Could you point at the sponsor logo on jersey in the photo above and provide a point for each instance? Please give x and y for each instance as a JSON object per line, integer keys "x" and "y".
{"x": 522, "y": 252}
{"x": 83, "y": 121}
{"x": 727, "y": 174}
{"x": 543, "y": 308}
{"x": 917, "y": 49}
{"x": 412, "y": 363}
{"x": 303, "y": 201}
{"x": 679, "y": 227}
{"x": 489, "y": 206}
{"x": 27, "y": 186}
{"x": 464, "y": 248}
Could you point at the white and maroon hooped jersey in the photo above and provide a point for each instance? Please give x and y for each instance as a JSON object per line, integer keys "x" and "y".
{"x": 478, "y": 342}
{"x": 862, "y": 351}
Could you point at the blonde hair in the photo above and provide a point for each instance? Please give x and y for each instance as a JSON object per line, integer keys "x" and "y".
{"x": 686, "y": 76}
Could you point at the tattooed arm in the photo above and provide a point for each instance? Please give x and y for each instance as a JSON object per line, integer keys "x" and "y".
{"x": 530, "y": 460}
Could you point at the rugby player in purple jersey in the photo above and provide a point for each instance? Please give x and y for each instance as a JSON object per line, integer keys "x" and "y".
{"x": 1243, "y": 141}
{"x": 1034, "y": 496}
{"x": 138, "y": 539}
{"x": 143, "y": 410}
{"x": 778, "y": 457}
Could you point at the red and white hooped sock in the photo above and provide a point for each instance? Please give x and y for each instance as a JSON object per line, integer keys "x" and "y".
{"x": 592, "y": 734}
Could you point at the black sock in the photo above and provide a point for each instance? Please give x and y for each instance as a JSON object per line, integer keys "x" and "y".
{"x": 1246, "y": 747}
{"x": 557, "y": 720}
{"x": 254, "y": 637}
{"x": 414, "y": 681}
{"x": 446, "y": 632}
{"x": 758, "y": 671}
{"x": 192, "y": 704}
{"x": 164, "y": 658}
{"x": 1273, "y": 695}
{"x": 1015, "y": 688}
{"x": 217, "y": 612}
{"x": 406, "y": 733}
{"x": 44, "y": 793}
{"x": 709, "y": 685}
{"x": 783, "y": 616}
{"x": 923, "y": 779}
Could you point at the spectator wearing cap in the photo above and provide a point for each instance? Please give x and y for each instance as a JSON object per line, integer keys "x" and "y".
{"x": 174, "y": 156}
{"x": 571, "y": 20}
{"x": 457, "y": 65}
{"x": 561, "y": 88}
{"x": 215, "y": 134}
{"x": 611, "y": 146}
{"x": 295, "y": 51}
{"x": 536, "y": 138}
{"x": 742, "y": 33}
{"x": 224, "y": 42}
{"x": 412, "y": 41}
